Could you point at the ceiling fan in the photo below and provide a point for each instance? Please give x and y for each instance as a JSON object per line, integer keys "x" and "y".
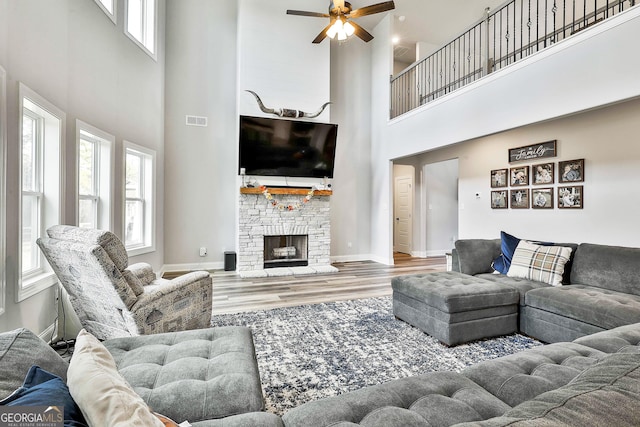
{"x": 341, "y": 15}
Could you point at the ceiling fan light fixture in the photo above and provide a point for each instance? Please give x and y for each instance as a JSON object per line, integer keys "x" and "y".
{"x": 349, "y": 29}
{"x": 336, "y": 28}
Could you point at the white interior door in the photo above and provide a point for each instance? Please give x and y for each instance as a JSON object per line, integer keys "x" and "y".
{"x": 402, "y": 211}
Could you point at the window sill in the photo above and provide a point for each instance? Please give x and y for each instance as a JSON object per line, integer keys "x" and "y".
{"x": 140, "y": 250}
{"x": 36, "y": 284}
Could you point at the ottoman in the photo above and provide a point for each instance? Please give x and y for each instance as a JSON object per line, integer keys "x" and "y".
{"x": 455, "y": 308}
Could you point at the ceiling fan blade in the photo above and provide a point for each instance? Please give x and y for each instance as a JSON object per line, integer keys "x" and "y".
{"x": 374, "y": 8}
{"x": 323, "y": 33}
{"x": 304, "y": 13}
{"x": 361, "y": 32}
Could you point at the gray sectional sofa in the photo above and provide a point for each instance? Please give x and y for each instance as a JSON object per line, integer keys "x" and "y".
{"x": 601, "y": 289}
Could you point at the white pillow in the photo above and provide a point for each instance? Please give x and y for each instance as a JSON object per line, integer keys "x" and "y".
{"x": 102, "y": 394}
{"x": 540, "y": 263}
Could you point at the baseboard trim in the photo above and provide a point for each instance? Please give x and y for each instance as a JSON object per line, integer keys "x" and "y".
{"x": 440, "y": 252}
{"x": 170, "y": 268}
{"x": 46, "y": 334}
{"x": 351, "y": 258}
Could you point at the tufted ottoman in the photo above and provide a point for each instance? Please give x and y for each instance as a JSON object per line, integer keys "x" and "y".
{"x": 195, "y": 375}
{"x": 454, "y": 307}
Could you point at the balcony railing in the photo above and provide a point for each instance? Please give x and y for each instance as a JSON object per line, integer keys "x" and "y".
{"x": 515, "y": 31}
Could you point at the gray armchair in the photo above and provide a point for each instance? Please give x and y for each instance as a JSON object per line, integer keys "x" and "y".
{"x": 113, "y": 299}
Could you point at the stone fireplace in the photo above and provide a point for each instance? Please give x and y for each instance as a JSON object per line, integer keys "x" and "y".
{"x": 276, "y": 241}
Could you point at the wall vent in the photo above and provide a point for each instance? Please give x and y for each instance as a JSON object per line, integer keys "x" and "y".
{"x": 196, "y": 121}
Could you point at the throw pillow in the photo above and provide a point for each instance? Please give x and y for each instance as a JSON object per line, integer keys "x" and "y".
{"x": 42, "y": 388}
{"x": 508, "y": 245}
{"x": 540, "y": 263}
{"x": 103, "y": 395}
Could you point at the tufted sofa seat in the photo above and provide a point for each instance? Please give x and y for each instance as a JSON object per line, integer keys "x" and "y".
{"x": 194, "y": 375}
{"x": 522, "y": 376}
{"x": 437, "y": 398}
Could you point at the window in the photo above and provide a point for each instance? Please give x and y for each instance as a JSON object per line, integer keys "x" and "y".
{"x": 41, "y": 134}
{"x": 109, "y": 8}
{"x": 140, "y": 24}
{"x": 94, "y": 151}
{"x": 139, "y": 209}
{"x": 3, "y": 139}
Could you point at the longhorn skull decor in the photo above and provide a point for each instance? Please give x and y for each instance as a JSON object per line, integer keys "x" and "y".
{"x": 286, "y": 112}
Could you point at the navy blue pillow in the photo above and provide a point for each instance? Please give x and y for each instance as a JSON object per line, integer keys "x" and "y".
{"x": 42, "y": 388}
{"x": 508, "y": 245}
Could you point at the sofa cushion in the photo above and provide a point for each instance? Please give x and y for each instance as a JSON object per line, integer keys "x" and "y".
{"x": 542, "y": 263}
{"x": 522, "y": 376}
{"x": 20, "y": 349}
{"x": 42, "y": 388}
{"x": 476, "y": 255}
{"x": 603, "y": 308}
{"x": 453, "y": 292}
{"x": 605, "y": 394}
{"x": 508, "y": 245}
{"x": 607, "y": 267}
{"x": 194, "y": 375}
{"x": 103, "y": 395}
{"x": 437, "y": 398}
{"x": 623, "y": 339}
{"x": 521, "y": 285}
{"x": 251, "y": 419}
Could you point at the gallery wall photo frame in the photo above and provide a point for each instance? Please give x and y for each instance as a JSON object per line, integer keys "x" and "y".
{"x": 543, "y": 173}
{"x": 500, "y": 199}
{"x": 571, "y": 197}
{"x": 519, "y": 176}
{"x": 571, "y": 171}
{"x": 542, "y": 198}
{"x": 519, "y": 199}
{"x": 499, "y": 178}
{"x": 533, "y": 151}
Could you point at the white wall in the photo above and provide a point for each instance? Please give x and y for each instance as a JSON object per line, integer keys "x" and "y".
{"x": 351, "y": 199}
{"x": 530, "y": 91}
{"x": 201, "y": 166}
{"x": 58, "y": 49}
{"x": 440, "y": 191}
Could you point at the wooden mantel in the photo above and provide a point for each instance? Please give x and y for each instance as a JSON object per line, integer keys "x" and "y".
{"x": 287, "y": 190}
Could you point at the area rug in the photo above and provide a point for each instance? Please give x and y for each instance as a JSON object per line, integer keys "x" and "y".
{"x": 309, "y": 352}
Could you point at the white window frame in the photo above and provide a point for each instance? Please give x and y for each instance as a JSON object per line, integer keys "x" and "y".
{"x": 103, "y": 165}
{"x": 148, "y": 197}
{"x": 148, "y": 40}
{"x": 3, "y": 199}
{"x": 53, "y": 133}
{"x": 111, "y": 14}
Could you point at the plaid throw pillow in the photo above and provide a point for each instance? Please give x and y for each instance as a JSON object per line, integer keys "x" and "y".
{"x": 540, "y": 263}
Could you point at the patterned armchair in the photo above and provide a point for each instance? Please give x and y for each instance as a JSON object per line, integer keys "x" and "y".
{"x": 113, "y": 299}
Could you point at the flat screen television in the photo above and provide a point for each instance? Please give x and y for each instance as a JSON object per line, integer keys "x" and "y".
{"x": 283, "y": 147}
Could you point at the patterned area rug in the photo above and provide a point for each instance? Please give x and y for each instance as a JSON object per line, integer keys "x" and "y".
{"x": 309, "y": 352}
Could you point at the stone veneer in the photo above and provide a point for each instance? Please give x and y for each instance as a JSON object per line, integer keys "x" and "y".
{"x": 258, "y": 218}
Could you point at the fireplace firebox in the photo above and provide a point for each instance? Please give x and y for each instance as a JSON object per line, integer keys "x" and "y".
{"x": 285, "y": 251}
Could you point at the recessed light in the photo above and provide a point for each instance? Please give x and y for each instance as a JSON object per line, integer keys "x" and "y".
{"x": 395, "y": 39}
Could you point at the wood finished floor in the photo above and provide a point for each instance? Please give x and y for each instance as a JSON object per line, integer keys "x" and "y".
{"x": 355, "y": 280}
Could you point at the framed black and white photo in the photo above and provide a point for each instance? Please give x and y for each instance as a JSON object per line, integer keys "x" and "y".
{"x": 571, "y": 197}
{"x": 519, "y": 199}
{"x": 571, "y": 171}
{"x": 519, "y": 176}
{"x": 499, "y": 178}
{"x": 542, "y": 198}
{"x": 499, "y": 199}
{"x": 542, "y": 174}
